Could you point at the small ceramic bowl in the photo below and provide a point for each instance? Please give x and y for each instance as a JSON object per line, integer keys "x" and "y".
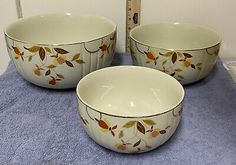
{"x": 130, "y": 109}
{"x": 185, "y": 51}
{"x": 57, "y": 50}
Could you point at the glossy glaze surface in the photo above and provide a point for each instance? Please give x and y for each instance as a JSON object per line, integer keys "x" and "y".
{"x": 130, "y": 109}
{"x": 57, "y": 50}
{"x": 185, "y": 51}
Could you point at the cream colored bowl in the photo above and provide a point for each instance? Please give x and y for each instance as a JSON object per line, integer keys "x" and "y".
{"x": 57, "y": 50}
{"x": 185, "y": 51}
{"x": 129, "y": 108}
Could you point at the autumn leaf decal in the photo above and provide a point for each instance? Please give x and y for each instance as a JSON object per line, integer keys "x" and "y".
{"x": 33, "y": 49}
{"x": 129, "y": 124}
{"x": 137, "y": 143}
{"x": 121, "y": 134}
{"x": 61, "y": 51}
{"x": 69, "y": 64}
{"x": 140, "y": 127}
{"x": 187, "y": 55}
{"x": 18, "y": 53}
{"x": 151, "y": 57}
{"x": 76, "y": 57}
{"x": 149, "y": 122}
{"x": 102, "y": 124}
{"x": 41, "y": 53}
{"x": 174, "y": 57}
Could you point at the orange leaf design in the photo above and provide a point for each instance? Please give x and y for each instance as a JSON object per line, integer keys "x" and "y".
{"x": 104, "y": 48}
{"x": 16, "y": 50}
{"x": 52, "y": 81}
{"x": 150, "y": 55}
{"x": 103, "y": 124}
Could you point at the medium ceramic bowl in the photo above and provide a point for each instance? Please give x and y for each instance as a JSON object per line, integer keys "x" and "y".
{"x": 130, "y": 109}
{"x": 57, "y": 50}
{"x": 185, "y": 51}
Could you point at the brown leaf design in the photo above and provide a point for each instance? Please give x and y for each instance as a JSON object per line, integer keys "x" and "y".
{"x": 60, "y": 76}
{"x": 114, "y": 127}
{"x": 193, "y": 66}
{"x": 80, "y": 61}
{"x": 137, "y": 143}
{"x": 162, "y": 131}
{"x": 121, "y": 134}
{"x": 41, "y": 53}
{"x": 172, "y": 74}
{"x": 33, "y": 49}
{"x": 187, "y": 55}
{"x": 48, "y": 72}
{"x": 76, "y": 57}
{"x": 174, "y": 57}
{"x": 199, "y": 68}
{"x": 69, "y": 64}
{"x": 113, "y": 134}
{"x": 129, "y": 124}
{"x": 149, "y": 122}
{"x": 103, "y": 124}
{"x": 61, "y": 51}
{"x": 140, "y": 127}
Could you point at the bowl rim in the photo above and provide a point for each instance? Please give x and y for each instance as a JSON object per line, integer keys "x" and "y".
{"x": 60, "y": 14}
{"x": 123, "y": 116}
{"x": 175, "y": 23}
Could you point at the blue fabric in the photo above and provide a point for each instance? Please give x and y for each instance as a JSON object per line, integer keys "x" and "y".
{"x": 41, "y": 126}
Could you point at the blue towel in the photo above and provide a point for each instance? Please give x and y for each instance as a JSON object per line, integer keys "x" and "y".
{"x": 41, "y": 126}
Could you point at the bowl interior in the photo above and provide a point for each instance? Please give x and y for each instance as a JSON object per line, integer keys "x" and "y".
{"x": 178, "y": 36}
{"x": 130, "y": 91}
{"x": 59, "y": 29}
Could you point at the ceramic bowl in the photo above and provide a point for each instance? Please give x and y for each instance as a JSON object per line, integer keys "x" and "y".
{"x": 185, "y": 51}
{"x": 130, "y": 109}
{"x": 57, "y": 50}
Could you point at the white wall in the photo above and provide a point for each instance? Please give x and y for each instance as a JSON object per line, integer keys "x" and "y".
{"x": 7, "y": 15}
{"x": 215, "y": 14}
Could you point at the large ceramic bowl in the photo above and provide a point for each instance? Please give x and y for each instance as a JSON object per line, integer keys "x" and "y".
{"x": 185, "y": 51}
{"x": 57, "y": 50}
{"x": 130, "y": 108}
